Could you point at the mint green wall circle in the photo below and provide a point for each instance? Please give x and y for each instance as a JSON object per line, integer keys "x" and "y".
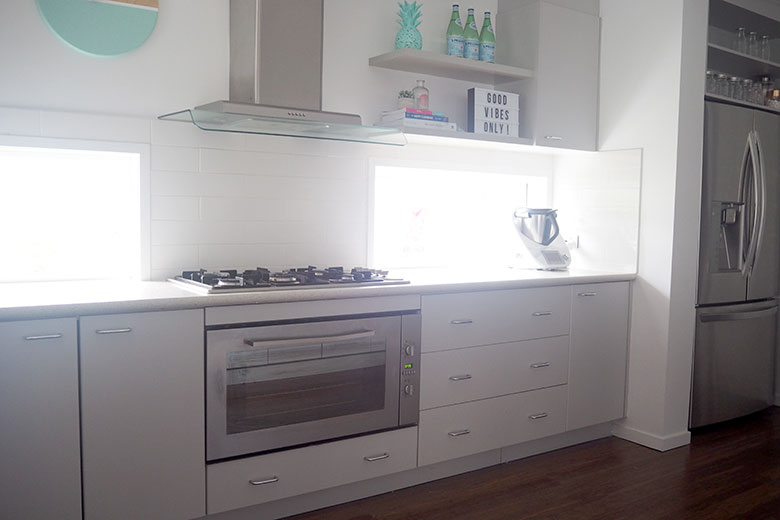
{"x": 98, "y": 28}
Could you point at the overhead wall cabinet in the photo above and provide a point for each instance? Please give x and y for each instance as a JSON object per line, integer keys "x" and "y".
{"x": 40, "y": 473}
{"x": 142, "y": 416}
{"x": 561, "y": 45}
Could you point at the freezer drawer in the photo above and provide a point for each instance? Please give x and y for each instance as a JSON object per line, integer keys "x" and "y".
{"x": 733, "y": 366}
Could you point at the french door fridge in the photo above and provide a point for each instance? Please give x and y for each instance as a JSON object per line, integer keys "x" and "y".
{"x": 739, "y": 258}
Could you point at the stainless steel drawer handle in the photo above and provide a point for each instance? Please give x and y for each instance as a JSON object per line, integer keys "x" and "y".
{"x": 460, "y": 378}
{"x": 586, "y": 294}
{"x": 537, "y": 416}
{"x": 542, "y": 313}
{"x": 43, "y": 336}
{"x": 541, "y": 365}
{"x": 461, "y": 322}
{"x": 114, "y": 331}
{"x": 459, "y": 433}
{"x": 554, "y": 137}
{"x": 264, "y": 481}
{"x": 377, "y": 457}
{"x": 309, "y": 341}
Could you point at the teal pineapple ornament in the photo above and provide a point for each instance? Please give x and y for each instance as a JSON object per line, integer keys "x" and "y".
{"x": 409, "y": 37}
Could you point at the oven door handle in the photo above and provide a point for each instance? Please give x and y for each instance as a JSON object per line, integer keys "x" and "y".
{"x": 265, "y": 343}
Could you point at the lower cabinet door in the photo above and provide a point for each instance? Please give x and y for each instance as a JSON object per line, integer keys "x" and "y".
{"x": 40, "y": 474}
{"x": 142, "y": 416}
{"x": 256, "y": 480}
{"x": 455, "y": 431}
{"x": 599, "y": 345}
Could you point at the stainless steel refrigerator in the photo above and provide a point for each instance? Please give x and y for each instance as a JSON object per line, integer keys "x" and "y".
{"x": 739, "y": 258}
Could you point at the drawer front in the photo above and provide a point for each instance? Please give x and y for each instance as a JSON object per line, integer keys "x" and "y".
{"x": 287, "y": 473}
{"x": 457, "y": 376}
{"x": 481, "y": 318}
{"x": 464, "y": 429}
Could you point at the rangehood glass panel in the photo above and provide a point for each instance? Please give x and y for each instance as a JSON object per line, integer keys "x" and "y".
{"x": 256, "y": 124}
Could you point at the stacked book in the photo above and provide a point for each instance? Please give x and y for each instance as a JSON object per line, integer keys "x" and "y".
{"x": 417, "y": 118}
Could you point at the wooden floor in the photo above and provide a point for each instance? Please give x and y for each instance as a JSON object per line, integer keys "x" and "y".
{"x": 728, "y": 471}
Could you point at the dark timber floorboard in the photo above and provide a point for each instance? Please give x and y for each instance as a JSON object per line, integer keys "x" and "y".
{"x": 730, "y": 470}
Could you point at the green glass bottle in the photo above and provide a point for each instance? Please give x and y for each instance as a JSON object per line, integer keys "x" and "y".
{"x": 487, "y": 41}
{"x": 471, "y": 38}
{"x": 455, "y": 34}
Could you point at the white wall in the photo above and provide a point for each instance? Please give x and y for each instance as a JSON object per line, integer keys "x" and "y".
{"x": 652, "y": 64}
{"x": 183, "y": 63}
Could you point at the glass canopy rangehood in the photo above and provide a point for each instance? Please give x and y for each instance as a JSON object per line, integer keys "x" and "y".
{"x": 250, "y": 118}
{"x": 291, "y": 64}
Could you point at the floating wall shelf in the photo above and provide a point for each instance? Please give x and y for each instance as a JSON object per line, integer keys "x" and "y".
{"x": 453, "y": 67}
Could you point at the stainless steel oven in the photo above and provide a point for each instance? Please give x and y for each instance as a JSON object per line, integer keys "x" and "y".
{"x": 288, "y": 383}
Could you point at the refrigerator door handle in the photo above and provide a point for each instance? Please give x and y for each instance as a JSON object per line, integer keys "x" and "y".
{"x": 750, "y": 194}
{"x": 736, "y": 316}
{"x": 743, "y": 199}
{"x": 758, "y": 167}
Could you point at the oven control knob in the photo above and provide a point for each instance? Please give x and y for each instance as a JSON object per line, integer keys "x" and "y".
{"x": 409, "y": 389}
{"x": 409, "y": 348}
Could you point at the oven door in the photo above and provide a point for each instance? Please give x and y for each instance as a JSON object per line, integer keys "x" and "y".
{"x": 269, "y": 387}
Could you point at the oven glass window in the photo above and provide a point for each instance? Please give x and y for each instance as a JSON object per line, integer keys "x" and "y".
{"x": 284, "y": 382}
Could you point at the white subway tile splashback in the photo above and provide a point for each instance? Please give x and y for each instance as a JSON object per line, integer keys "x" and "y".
{"x": 272, "y": 256}
{"x": 190, "y": 184}
{"x": 275, "y": 164}
{"x": 174, "y": 257}
{"x": 174, "y": 158}
{"x": 175, "y": 208}
{"x": 175, "y": 133}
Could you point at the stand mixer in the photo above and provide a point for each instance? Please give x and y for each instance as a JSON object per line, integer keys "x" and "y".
{"x": 540, "y": 235}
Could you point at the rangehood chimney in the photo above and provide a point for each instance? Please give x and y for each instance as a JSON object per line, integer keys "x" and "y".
{"x": 276, "y": 78}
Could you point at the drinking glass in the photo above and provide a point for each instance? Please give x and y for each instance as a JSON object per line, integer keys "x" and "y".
{"x": 723, "y": 85}
{"x": 711, "y": 84}
{"x": 747, "y": 91}
{"x": 740, "y": 41}
{"x": 765, "y": 48}
{"x": 753, "y": 44}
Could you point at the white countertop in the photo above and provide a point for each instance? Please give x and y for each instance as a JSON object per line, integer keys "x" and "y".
{"x": 24, "y": 301}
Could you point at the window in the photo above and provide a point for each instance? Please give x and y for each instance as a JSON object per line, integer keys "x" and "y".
{"x": 69, "y": 214}
{"x": 442, "y": 218}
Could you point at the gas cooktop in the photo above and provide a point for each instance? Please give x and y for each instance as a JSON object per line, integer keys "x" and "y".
{"x": 261, "y": 279}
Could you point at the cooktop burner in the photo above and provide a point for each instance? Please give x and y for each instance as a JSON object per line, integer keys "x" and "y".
{"x": 260, "y": 279}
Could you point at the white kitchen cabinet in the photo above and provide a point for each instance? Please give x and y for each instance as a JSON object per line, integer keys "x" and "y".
{"x": 459, "y": 320}
{"x": 464, "y": 429}
{"x": 142, "y": 398}
{"x": 469, "y": 374}
{"x": 599, "y": 343}
{"x": 256, "y": 480}
{"x": 562, "y": 46}
{"x": 39, "y": 420}
{"x": 493, "y": 370}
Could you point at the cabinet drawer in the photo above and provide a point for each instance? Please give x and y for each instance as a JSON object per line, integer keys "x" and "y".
{"x": 287, "y": 473}
{"x": 468, "y": 374}
{"x": 481, "y": 318}
{"x": 464, "y": 429}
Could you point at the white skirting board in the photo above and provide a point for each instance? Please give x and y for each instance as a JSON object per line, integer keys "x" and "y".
{"x": 650, "y": 440}
{"x": 420, "y": 475}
